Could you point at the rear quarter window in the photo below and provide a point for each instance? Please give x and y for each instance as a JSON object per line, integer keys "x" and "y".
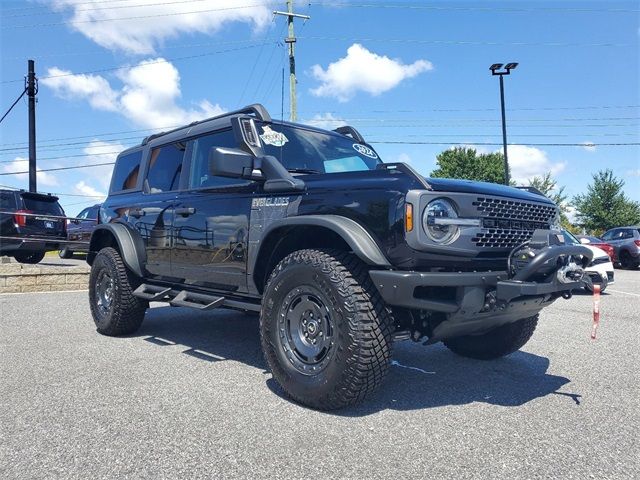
{"x": 126, "y": 172}
{"x": 7, "y": 201}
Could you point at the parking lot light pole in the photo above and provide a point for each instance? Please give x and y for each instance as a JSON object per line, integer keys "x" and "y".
{"x": 497, "y": 69}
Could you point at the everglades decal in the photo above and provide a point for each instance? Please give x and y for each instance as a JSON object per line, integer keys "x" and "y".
{"x": 364, "y": 150}
{"x": 269, "y": 202}
{"x": 277, "y": 139}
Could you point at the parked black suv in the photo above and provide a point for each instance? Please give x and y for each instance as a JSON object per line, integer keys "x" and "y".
{"x": 340, "y": 253}
{"x": 79, "y": 230}
{"x": 30, "y": 225}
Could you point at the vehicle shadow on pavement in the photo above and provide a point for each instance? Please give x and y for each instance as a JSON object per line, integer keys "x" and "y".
{"x": 209, "y": 336}
{"x": 419, "y": 377}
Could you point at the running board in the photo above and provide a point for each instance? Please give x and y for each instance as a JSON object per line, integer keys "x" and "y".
{"x": 185, "y": 298}
{"x": 196, "y": 300}
{"x": 152, "y": 293}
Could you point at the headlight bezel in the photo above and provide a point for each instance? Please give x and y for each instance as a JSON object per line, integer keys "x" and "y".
{"x": 437, "y": 230}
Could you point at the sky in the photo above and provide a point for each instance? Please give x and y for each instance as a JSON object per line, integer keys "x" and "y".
{"x": 412, "y": 76}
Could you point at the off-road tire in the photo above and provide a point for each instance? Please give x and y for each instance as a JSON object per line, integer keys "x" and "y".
{"x": 29, "y": 257}
{"x": 497, "y": 343}
{"x": 125, "y": 312}
{"x": 65, "y": 253}
{"x": 358, "y": 361}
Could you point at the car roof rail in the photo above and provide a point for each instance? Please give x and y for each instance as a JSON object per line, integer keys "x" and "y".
{"x": 257, "y": 109}
{"x": 350, "y": 131}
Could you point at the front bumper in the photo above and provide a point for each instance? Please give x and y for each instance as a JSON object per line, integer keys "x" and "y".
{"x": 475, "y": 302}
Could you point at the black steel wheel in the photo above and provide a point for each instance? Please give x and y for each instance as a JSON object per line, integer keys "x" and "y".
{"x": 65, "y": 253}
{"x": 325, "y": 332}
{"x": 115, "y": 310}
{"x": 627, "y": 261}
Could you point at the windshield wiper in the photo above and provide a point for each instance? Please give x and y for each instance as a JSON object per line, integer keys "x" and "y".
{"x": 302, "y": 170}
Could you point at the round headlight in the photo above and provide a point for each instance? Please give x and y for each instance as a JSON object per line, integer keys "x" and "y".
{"x": 435, "y": 223}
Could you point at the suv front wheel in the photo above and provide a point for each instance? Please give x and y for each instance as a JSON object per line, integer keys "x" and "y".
{"x": 496, "y": 343}
{"x": 325, "y": 332}
{"x": 115, "y": 310}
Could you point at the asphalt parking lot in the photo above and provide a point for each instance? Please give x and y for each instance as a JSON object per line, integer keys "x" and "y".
{"x": 188, "y": 396}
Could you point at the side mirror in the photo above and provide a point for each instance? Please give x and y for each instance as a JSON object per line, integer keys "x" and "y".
{"x": 230, "y": 162}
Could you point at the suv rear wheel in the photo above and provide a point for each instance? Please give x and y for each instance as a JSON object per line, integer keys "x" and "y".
{"x": 497, "y": 343}
{"x": 114, "y": 309}
{"x": 325, "y": 332}
{"x": 627, "y": 261}
{"x": 65, "y": 253}
{"x": 29, "y": 257}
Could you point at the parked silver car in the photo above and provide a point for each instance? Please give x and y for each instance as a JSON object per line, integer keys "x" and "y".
{"x": 626, "y": 244}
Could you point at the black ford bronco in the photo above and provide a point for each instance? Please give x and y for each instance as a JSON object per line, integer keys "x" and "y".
{"x": 340, "y": 253}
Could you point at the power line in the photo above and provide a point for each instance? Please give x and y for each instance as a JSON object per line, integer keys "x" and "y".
{"x": 116, "y": 7}
{"x": 61, "y": 168}
{"x": 164, "y": 60}
{"x": 13, "y": 105}
{"x": 479, "y": 9}
{"x": 139, "y": 17}
{"x": 464, "y": 42}
{"x": 586, "y": 144}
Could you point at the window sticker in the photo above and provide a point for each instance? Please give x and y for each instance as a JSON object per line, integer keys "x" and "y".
{"x": 270, "y": 137}
{"x": 364, "y": 150}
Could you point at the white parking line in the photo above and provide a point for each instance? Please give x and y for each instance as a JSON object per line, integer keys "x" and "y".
{"x": 625, "y": 293}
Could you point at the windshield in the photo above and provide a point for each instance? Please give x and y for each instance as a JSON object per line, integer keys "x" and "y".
{"x": 569, "y": 239}
{"x": 309, "y": 151}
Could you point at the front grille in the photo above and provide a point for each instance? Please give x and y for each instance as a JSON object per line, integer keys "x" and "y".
{"x": 508, "y": 223}
{"x": 513, "y": 210}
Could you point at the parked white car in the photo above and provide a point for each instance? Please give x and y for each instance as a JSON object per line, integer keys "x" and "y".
{"x": 600, "y": 270}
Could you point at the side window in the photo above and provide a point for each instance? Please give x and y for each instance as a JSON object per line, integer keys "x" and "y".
{"x": 609, "y": 235}
{"x": 83, "y": 213}
{"x": 165, "y": 166}
{"x": 93, "y": 213}
{"x": 628, "y": 233}
{"x": 126, "y": 171}
{"x": 200, "y": 176}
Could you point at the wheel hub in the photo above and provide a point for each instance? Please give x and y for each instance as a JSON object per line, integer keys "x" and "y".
{"x": 104, "y": 291}
{"x": 306, "y": 329}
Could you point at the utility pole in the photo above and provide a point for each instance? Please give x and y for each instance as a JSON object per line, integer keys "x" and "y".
{"x": 32, "y": 90}
{"x": 291, "y": 40}
{"x": 495, "y": 70}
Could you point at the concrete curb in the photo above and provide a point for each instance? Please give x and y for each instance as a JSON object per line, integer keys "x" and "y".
{"x": 20, "y": 278}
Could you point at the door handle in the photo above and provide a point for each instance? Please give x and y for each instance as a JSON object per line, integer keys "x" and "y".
{"x": 185, "y": 211}
{"x": 136, "y": 212}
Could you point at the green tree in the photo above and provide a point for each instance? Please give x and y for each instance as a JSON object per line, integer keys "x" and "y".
{"x": 466, "y": 163}
{"x": 605, "y": 205}
{"x": 549, "y": 187}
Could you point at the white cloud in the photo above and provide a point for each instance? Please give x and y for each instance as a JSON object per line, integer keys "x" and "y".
{"x": 327, "y": 121}
{"x": 362, "y": 70}
{"x": 634, "y": 173}
{"x": 85, "y": 189}
{"x": 147, "y": 97}
{"x": 102, "y": 152}
{"x": 589, "y": 146}
{"x": 527, "y": 162}
{"x": 22, "y": 165}
{"x": 114, "y": 28}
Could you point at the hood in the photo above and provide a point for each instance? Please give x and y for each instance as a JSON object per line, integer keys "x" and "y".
{"x": 485, "y": 188}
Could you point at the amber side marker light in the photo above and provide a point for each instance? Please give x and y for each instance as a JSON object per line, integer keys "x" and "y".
{"x": 408, "y": 217}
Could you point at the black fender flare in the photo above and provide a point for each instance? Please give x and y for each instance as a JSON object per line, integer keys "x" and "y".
{"x": 130, "y": 245}
{"x": 354, "y": 234}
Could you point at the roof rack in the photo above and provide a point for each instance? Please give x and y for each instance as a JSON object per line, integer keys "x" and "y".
{"x": 347, "y": 130}
{"x": 256, "y": 109}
